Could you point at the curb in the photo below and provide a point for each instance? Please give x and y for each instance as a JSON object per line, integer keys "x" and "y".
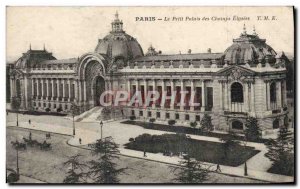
{"x": 141, "y": 158}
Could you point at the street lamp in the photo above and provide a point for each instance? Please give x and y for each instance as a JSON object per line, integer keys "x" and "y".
{"x": 101, "y": 125}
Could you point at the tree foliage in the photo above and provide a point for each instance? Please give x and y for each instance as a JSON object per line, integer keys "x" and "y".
{"x": 206, "y": 123}
{"x": 76, "y": 172}
{"x": 75, "y": 110}
{"x": 191, "y": 171}
{"x": 281, "y": 151}
{"x": 104, "y": 169}
{"x": 252, "y": 131}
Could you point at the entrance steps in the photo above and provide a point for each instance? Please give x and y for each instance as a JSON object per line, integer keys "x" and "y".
{"x": 92, "y": 115}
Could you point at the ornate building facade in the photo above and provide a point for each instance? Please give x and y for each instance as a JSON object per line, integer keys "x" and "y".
{"x": 248, "y": 79}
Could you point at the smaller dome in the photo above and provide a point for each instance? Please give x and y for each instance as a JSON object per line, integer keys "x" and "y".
{"x": 249, "y": 49}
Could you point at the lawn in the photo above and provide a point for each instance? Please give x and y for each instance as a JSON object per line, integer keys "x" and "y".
{"x": 212, "y": 152}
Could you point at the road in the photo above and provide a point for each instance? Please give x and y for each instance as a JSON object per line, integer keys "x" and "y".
{"x": 46, "y": 166}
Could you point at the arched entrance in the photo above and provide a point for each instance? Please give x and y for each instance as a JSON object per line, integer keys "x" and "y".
{"x": 98, "y": 89}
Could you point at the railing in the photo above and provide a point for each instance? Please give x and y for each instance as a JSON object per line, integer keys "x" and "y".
{"x": 237, "y": 107}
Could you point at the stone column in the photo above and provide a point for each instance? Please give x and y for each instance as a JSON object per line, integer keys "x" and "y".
{"x": 203, "y": 96}
{"x": 52, "y": 89}
{"x": 47, "y": 85}
{"x": 84, "y": 91}
{"x": 221, "y": 94}
{"x": 63, "y": 89}
{"x": 145, "y": 90}
{"x": 172, "y": 94}
{"x": 58, "y": 91}
{"x": 268, "y": 95}
{"x": 246, "y": 97}
{"x": 181, "y": 89}
{"x": 26, "y": 91}
{"x": 32, "y": 87}
{"x": 42, "y": 82}
{"x": 37, "y": 87}
{"x": 252, "y": 98}
{"x": 153, "y": 89}
{"x": 75, "y": 82}
{"x": 192, "y": 99}
{"x": 80, "y": 91}
{"x": 69, "y": 91}
{"x": 136, "y": 90}
{"x": 279, "y": 95}
{"x": 284, "y": 93}
{"x": 226, "y": 96}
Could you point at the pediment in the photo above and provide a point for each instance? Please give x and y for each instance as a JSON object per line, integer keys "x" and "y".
{"x": 236, "y": 72}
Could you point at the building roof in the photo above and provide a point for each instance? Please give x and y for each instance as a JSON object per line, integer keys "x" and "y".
{"x": 197, "y": 56}
{"x": 61, "y": 61}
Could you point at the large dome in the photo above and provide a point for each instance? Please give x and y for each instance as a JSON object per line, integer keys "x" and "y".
{"x": 118, "y": 44}
{"x": 249, "y": 49}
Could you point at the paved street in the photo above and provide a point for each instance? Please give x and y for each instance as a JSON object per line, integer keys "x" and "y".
{"x": 46, "y": 166}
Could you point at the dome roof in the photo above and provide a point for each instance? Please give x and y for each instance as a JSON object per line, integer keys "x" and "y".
{"x": 249, "y": 48}
{"x": 118, "y": 43}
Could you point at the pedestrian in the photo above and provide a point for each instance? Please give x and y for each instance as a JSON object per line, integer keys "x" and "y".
{"x": 145, "y": 155}
{"x": 29, "y": 121}
{"x": 79, "y": 140}
{"x": 218, "y": 168}
{"x": 30, "y": 136}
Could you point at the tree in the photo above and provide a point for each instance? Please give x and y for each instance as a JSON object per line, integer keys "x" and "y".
{"x": 281, "y": 151}
{"x": 15, "y": 105}
{"x": 74, "y": 111}
{"x": 104, "y": 170}
{"x": 75, "y": 173}
{"x": 252, "y": 131}
{"x": 206, "y": 123}
{"x": 228, "y": 142}
{"x": 191, "y": 171}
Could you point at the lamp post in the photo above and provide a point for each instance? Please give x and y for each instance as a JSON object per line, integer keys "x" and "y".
{"x": 101, "y": 125}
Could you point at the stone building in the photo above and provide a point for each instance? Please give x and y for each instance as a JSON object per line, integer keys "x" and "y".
{"x": 248, "y": 79}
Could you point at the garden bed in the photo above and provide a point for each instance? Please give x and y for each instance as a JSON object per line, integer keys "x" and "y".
{"x": 182, "y": 129}
{"x": 25, "y": 112}
{"x": 206, "y": 151}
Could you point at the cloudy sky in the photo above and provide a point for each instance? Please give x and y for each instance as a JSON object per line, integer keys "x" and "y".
{"x": 72, "y": 31}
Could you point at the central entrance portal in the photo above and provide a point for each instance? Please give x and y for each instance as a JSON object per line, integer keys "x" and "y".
{"x": 98, "y": 89}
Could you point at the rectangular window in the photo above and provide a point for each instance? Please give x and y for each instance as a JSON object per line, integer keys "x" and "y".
{"x": 157, "y": 114}
{"x": 167, "y": 115}
{"x": 141, "y": 113}
{"x": 149, "y": 114}
{"x": 209, "y": 98}
{"x": 132, "y": 112}
{"x": 176, "y": 116}
{"x": 197, "y": 117}
{"x": 187, "y": 117}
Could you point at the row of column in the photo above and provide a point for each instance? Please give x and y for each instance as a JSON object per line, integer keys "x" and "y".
{"x": 41, "y": 87}
{"x": 144, "y": 82}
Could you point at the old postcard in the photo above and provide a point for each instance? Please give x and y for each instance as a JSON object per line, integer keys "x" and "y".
{"x": 157, "y": 95}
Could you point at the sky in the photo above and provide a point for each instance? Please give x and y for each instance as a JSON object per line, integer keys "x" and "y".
{"x": 70, "y": 32}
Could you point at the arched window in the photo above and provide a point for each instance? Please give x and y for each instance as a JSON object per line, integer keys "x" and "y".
{"x": 273, "y": 92}
{"x": 237, "y": 92}
{"x": 237, "y": 125}
{"x": 276, "y": 124}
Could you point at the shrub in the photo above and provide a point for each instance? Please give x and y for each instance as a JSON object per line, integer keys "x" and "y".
{"x": 152, "y": 120}
{"x": 132, "y": 117}
{"x": 171, "y": 122}
{"x": 59, "y": 109}
{"x": 47, "y": 109}
{"x": 193, "y": 124}
{"x": 206, "y": 123}
{"x": 131, "y": 139}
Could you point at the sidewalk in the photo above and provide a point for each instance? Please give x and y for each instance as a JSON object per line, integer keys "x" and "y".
{"x": 257, "y": 165}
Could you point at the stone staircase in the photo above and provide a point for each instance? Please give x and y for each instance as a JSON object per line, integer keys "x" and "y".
{"x": 91, "y": 115}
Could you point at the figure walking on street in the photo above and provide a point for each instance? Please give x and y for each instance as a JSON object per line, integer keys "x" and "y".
{"x": 218, "y": 169}
{"x": 79, "y": 140}
{"x": 29, "y": 121}
{"x": 145, "y": 155}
